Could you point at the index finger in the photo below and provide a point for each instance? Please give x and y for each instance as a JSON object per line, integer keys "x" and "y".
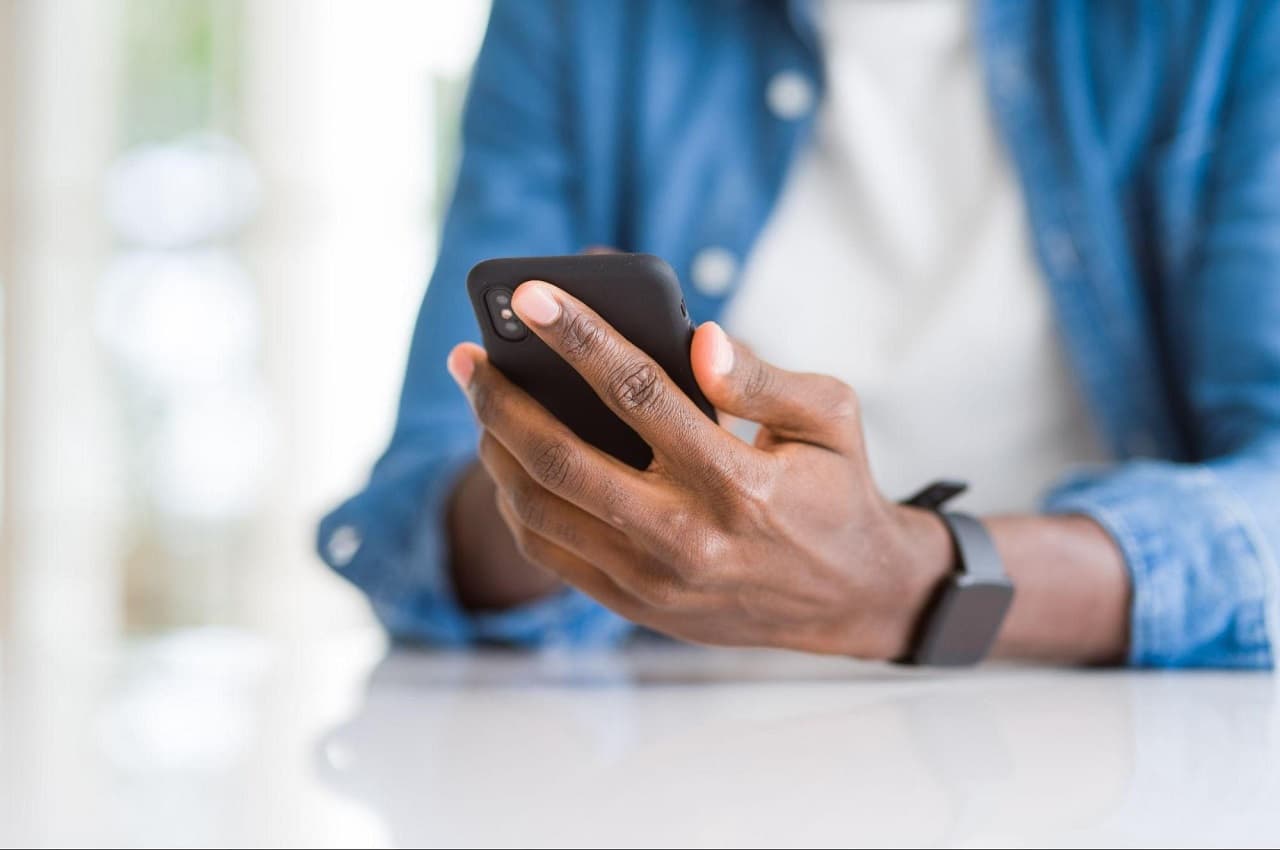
{"x": 555, "y": 458}
{"x": 626, "y": 379}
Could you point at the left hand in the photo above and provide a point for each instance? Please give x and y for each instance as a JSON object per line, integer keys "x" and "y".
{"x": 784, "y": 543}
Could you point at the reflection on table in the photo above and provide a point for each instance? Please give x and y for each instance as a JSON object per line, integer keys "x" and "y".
{"x": 226, "y": 738}
{"x": 670, "y": 745}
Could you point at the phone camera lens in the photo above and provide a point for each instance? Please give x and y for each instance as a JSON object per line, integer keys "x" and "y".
{"x": 505, "y": 322}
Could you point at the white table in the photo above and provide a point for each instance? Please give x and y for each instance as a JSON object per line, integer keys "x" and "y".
{"x": 215, "y": 738}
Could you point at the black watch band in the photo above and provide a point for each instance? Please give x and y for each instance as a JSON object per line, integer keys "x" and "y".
{"x": 962, "y": 618}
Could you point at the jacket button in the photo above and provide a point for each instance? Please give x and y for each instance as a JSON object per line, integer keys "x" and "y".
{"x": 713, "y": 271}
{"x": 342, "y": 546}
{"x": 789, "y": 95}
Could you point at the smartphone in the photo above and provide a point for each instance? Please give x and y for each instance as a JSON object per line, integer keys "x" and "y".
{"x": 638, "y": 294}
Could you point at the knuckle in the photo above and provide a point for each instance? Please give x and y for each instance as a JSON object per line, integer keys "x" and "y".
{"x": 758, "y": 382}
{"x": 738, "y": 483}
{"x": 529, "y": 505}
{"x": 582, "y": 338}
{"x": 620, "y": 508}
{"x": 690, "y": 545}
{"x": 636, "y": 387}
{"x": 553, "y": 465}
{"x": 663, "y": 592}
{"x": 673, "y": 534}
{"x": 529, "y": 545}
{"x": 841, "y": 400}
{"x": 566, "y": 533}
{"x": 705, "y": 552}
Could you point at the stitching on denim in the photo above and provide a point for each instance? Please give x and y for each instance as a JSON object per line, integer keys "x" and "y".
{"x": 1263, "y": 559}
{"x": 1142, "y": 627}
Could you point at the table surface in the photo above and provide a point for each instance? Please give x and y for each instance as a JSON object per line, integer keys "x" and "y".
{"x": 224, "y": 738}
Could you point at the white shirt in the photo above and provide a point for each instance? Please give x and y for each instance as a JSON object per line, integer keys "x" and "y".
{"x": 898, "y": 259}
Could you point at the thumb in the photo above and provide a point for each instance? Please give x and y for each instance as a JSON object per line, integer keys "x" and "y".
{"x": 797, "y": 406}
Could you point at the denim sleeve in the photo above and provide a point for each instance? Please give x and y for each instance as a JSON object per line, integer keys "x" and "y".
{"x": 1200, "y": 543}
{"x": 513, "y": 198}
{"x": 1202, "y": 539}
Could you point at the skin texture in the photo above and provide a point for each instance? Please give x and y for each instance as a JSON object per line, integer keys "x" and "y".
{"x": 489, "y": 572}
{"x": 784, "y": 543}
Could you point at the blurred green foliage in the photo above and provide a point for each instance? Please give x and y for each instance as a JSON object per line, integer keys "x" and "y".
{"x": 181, "y": 67}
{"x": 449, "y": 94}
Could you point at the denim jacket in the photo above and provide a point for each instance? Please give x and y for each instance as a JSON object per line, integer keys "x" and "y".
{"x": 1146, "y": 136}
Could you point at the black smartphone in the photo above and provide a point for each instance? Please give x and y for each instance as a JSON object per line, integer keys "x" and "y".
{"x": 638, "y": 294}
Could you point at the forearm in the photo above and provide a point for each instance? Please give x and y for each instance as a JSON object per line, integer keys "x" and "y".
{"x": 1072, "y": 593}
{"x": 1071, "y": 603}
{"x": 488, "y": 571}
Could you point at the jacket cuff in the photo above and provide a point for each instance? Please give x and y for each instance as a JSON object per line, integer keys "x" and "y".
{"x": 568, "y": 619}
{"x": 1199, "y": 582}
{"x": 390, "y": 542}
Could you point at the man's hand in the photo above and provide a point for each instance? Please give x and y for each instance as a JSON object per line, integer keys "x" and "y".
{"x": 784, "y": 543}
{"x": 488, "y": 571}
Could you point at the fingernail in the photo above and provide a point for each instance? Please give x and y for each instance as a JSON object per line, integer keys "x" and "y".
{"x": 461, "y": 366}
{"x": 535, "y": 303}
{"x": 721, "y": 351}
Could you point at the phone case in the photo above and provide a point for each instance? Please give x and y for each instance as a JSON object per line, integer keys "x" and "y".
{"x": 638, "y": 294}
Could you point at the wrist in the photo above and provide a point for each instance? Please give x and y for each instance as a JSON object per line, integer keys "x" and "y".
{"x": 926, "y": 557}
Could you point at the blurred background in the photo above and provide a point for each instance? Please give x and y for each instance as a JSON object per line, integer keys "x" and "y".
{"x": 219, "y": 218}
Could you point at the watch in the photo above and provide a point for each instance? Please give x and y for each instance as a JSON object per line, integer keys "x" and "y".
{"x": 962, "y": 618}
